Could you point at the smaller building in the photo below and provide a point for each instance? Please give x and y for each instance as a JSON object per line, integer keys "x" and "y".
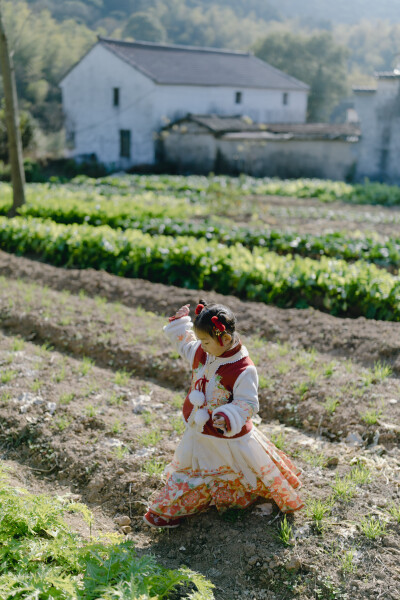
{"x": 235, "y": 144}
{"x": 378, "y": 109}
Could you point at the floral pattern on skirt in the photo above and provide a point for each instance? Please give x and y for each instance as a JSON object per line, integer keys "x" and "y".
{"x": 226, "y": 473}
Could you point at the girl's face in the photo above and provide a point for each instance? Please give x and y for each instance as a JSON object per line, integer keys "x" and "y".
{"x": 212, "y": 345}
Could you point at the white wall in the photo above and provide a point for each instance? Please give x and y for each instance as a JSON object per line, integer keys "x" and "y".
{"x": 145, "y": 107}
{"x": 261, "y": 105}
{"x": 379, "y": 114}
{"x": 88, "y": 106}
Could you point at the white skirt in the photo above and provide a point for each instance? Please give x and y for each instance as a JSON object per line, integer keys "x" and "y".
{"x": 227, "y": 473}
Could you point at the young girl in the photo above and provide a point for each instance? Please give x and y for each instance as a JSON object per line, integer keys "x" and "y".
{"x": 222, "y": 459}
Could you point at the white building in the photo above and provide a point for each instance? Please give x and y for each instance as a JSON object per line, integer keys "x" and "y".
{"x": 378, "y": 109}
{"x": 120, "y": 95}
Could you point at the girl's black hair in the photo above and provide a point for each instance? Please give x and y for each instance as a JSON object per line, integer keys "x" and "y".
{"x": 203, "y": 323}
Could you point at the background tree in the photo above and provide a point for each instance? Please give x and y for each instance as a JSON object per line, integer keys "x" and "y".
{"x": 144, "y": 26}
{"x": 315, "y": 59}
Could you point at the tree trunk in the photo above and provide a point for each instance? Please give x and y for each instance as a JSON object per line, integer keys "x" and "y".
{"x": 12, "y": 122}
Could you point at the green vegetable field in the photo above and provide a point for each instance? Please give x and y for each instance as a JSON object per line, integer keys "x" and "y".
{"x": 213, "y": 233}
{"x": 91, "y": 391}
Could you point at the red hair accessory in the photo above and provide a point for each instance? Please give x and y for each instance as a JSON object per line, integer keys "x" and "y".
{"x": 219, "y": 328}
{"x": 199, "y": 308}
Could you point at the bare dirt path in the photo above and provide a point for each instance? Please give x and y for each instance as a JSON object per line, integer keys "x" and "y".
{"x": 363, "y": 340}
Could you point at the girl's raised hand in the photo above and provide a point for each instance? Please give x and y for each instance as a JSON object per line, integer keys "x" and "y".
{"x": 182, "y": 312}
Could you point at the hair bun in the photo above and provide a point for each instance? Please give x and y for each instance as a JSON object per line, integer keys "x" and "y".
{"x": 199, "y": 308}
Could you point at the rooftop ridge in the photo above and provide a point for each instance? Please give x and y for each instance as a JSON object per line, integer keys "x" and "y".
{"x": 158, "y": 46}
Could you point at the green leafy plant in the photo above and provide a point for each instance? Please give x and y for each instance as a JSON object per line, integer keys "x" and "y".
{"x": 121, "y": 378}
{"x": 279, "y": 439}
{"x": 331, "y": 404}
{"x": 318, "y": 511}
{"x": 42, "y": 558}
{"x": 360, "y": 474}
{"x": 117, "y": 427}
{"x": 150, "y": 438}
{"x": 394, "y": 511}
{"x": 347, "y": 561}
{"x": 329, "y": 369}
{"x": 381, "y": 371}
{"x": 18, "y": 344}
{"x": 67, "y": 397}
{"x": 372, "y": 527}
{"x": 90, "y": 410}
{"x": 178, "y": 425}
{"x": 59, "y": 376}
{"x": 285, "y": 532}
{"x": 265, "y": 382}
{"x": 86, "y": 365}
{"x": 313, "y": 458}
{"x": 7, "y": 376}
{"x": 36, "y": 385}
{"x": 62, "y": 423}
{"x": 302, "y": 388}
{"x": 371, "y": 416}
{"x": 120, "y": 452}
{"x": 154, "y": 467}
{"x": 343, "y": 488}
{"x": 114, "y": 399}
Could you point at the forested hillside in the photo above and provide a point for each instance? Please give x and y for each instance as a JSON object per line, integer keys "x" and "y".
{"x": 336, "y": 11}
{"x": 328, "y": 44}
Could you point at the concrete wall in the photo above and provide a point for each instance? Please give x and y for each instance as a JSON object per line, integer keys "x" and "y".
{"x": 233, "y": 153}
{"x": 379, "y": 114}
{"x": 146, "y": 107}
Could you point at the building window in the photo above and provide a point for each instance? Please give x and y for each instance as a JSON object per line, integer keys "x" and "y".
{"x": 285, "y": 98}
{"x": 125, "y": 143}
{"x": 238, "y": 97}
{"x": 116, "y": 96}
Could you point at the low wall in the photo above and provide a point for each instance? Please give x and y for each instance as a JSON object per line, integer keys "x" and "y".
{"x": 261, "y": 155}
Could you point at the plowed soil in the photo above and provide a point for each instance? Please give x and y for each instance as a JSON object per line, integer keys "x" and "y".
{"x": 90, "y": 396}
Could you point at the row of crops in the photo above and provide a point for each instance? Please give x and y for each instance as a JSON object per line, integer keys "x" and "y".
{"x": 326, "y": 191}
{"x": 163, "y": 216}
{"x": 153, "y": 227}
{"x": 353, "y": 289}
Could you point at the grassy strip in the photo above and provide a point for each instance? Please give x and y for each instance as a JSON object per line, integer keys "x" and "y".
{"x": 163, "y": 216}
{"x": 354, "y": 290}
{"x": 325, "y": 190}
{"x": 42, "y": 558}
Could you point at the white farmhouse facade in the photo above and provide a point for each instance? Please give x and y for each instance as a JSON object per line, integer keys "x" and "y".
{"x": 120, "y": 94}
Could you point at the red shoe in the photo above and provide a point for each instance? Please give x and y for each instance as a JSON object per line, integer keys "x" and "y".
{"x": 154, "y": 520}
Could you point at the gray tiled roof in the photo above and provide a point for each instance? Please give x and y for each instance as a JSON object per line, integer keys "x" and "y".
{"x": 387, "y": 74}
{"x": 237, "y": 125}
{"x": 188, "y": 65}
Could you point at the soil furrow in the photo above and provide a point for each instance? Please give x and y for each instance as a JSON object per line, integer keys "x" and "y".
{"x": 300, "y": 388}
{"x": 363, "y": 340}
{"x": 106, "y": 436}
